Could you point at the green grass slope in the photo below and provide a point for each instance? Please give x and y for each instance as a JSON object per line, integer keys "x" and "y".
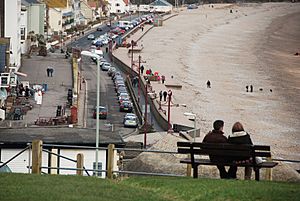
{"x": 23, "y": 187}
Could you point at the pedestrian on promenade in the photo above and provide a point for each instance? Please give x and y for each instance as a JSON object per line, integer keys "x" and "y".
{"x": 208, "y": 85}
{"x": 165, "y": 95}
{"x": 163, "y": 79}
{"x": 251, "y": 88}
{"x": 160, "y": 96}
{"x": 142, "y": 28}
{"x": 48, "y": 71}
{"x": 142, "y": 69}
{"x": 247, "y": 88}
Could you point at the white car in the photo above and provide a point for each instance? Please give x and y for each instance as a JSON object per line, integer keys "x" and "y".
{"x": 130, "y": 120}
{"x": 105, "y": 66}
{"x": 91, "y": 37}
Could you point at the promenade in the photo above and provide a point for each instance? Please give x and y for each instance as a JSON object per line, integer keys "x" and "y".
{"x": 178, "y": 107}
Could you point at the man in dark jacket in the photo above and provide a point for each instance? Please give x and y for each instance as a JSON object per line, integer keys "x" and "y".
{"x": 217, "y": 136}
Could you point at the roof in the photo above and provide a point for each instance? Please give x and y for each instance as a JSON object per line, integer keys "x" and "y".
{"x": 126, "y": 2}
{"x": 28, "y": 2}
{"x": 160, "y": 3}
{"x": 63, "y": 135}
{"x": 67, "y": 14}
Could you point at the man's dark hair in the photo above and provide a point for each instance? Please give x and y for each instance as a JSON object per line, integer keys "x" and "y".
{"x": 218, "y": 124}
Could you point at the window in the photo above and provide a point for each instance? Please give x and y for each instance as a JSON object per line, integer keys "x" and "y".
{"x": 117, "y": 4}
{"x": 118, "y": 11}
{"x": 23, "y": 33}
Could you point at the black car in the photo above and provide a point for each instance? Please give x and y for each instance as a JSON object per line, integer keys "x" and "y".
{"x": 126, "y": 106}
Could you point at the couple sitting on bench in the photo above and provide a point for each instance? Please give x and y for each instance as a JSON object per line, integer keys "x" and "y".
{"x": 238, "y": 136}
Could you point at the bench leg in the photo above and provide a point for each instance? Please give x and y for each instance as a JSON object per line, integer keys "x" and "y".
{"x": 195, "y": 171}
{"x": 256, "y": 170}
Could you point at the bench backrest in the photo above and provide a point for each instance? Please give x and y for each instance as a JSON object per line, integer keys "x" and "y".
{"x": 220, "y": 149}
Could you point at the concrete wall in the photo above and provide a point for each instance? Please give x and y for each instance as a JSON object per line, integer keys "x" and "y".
{"x": 12, "y": 29}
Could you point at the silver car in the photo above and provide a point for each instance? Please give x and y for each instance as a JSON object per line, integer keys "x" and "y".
{"x": 130, "y": 120}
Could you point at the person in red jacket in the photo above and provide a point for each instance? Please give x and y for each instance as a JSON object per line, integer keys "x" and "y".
{"x": 217, "y": 136}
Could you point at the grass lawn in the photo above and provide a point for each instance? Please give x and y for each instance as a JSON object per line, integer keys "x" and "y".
{"x": 23, "y": 187}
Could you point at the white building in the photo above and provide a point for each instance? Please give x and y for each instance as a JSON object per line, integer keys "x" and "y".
{"x": 55, "y": 20}
{"x": 23, "y": 29}
{"x": 12, "y": 18}
{"x": 65, "y": 142}
{"x": 119, "y": 6}
{"x": 160, "y": 6}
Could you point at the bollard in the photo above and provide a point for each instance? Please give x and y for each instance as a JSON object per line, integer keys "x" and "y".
{"x": 110, "y": 161}
{"x": 268, "y": 175}
{"x": 36, "y": 156}
{"x": 80, "y": 160}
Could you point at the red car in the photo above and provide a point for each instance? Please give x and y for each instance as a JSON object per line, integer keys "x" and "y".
{"x": 102, "y": 112}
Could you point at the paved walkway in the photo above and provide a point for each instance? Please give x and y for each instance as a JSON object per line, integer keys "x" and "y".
{"x": 177, "y": 116}
{"x": 58, "y": 85}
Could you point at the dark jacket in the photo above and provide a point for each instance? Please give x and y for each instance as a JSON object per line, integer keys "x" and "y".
{"x": 240, "y": 137}
{"x": 215, "y": 136}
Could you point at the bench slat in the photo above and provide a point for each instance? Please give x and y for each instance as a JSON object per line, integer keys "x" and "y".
{"x": 267, "y": 164}
{"x": 217, "y": 152}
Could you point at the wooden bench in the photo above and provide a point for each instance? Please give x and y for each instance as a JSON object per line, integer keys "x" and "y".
{"x": 225, "y": 150}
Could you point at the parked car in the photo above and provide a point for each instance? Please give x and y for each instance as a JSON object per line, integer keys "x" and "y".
{"x": 105, "y": 66}
{"x": 123, "y": 97}
{"x": 111, "y": 70}
{"x": 121, "y": 90}
{"x": 102, "y": 112}
{"x": 91, "y": 37}
{"x": 130, "y": 120}
{"x": 126, "y": 106}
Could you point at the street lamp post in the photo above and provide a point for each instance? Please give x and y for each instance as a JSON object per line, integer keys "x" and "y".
{"x": 90, "y": 54}
{"x": 192, "y": 115}
{"x": 132, "y": 43}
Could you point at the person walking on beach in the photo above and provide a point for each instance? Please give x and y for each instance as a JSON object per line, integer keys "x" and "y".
{"x": 251, "y": 88}
{"x": 165, "y": 95}
{"x": 51, "y": 70}
{"x": 160, "y": 96}
{"x": 239, "y": 136}
{"x": 142, "y": 69}
{"x": 217, "y": 136}
{"x": 163, "y": 79}
{"x": 247, "y": 87}
{"x": 48, "y": 71}
{"x": 208, "y": 84}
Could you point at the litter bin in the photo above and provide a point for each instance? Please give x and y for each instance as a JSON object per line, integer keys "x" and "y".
{"x": 45, "y": 87}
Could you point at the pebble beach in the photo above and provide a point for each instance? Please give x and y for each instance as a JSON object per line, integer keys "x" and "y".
{"x": 252, "y": 45}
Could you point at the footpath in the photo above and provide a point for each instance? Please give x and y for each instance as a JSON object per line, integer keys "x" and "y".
{"x": 177, "y": 111}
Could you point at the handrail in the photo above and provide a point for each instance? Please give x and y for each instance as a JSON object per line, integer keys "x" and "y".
{"x": 147, "y": 173}
{"x": 70, "y": 159}
{"x": 147, "y": 150}
{"x": 15, "y": 156}
{"x": 62, "y": 168}
{"x": 73, "y": 146}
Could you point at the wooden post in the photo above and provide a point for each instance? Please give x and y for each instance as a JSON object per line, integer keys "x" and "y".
{"x": 80, "y": 160}
{"x": 54, "y": 161}
{"x": 36, "y": 156}
{"x": 110, "y": 161}
{"x": 188, "y": 170}
{"x": 268, "y": 175}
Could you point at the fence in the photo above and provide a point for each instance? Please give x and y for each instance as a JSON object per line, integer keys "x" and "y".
{"x": 112, "y": 158}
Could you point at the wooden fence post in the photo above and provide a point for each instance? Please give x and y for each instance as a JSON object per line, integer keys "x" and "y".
{"x": 110, "y": 161}
{"x": 268, "y": 175}
{"x": 36, "y": 156}
{"x": 80, "y": 164}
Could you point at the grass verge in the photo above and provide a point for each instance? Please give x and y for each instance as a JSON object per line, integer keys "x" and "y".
{"x": 15, "y": 187}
